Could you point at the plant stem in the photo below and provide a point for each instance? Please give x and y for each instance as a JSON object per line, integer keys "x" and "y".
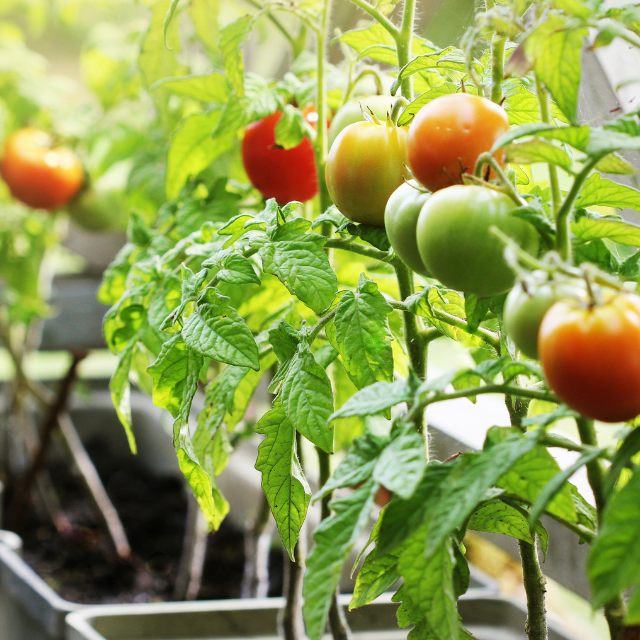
{"x": 379, "y": 17}
{"x": 497, "y": 69}
{"x": 404, "y": 41}
{"x": 487, "y": 158}
{"x": 614, "y": 610}
{"x": 355, "y": 247}
{"x": 534, "y": 586}
{"x": 543, "y": 100}
{"x": 563, "y": 218}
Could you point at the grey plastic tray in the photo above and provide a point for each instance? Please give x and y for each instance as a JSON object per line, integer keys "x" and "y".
{"x": 489, "y": 617}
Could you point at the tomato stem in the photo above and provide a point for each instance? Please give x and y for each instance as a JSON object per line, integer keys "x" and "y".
{"x": 487, "y": 159}
{"x": 497, "y": 68}
{"x": 543, "y": 101}
{"x": 404, "y": 42}
{"x": 378, "y": 16}
{"x": 614, "y": 610}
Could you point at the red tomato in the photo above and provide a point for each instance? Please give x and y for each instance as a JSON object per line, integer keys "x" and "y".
{"x": 283, "y": 174}
{"x": 591, "y": 356}
{"x": 448, "y": 135}
{"x": 37, "y": 173}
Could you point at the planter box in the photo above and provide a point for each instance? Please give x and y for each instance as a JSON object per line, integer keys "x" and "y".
{"x": 487, "y": 617}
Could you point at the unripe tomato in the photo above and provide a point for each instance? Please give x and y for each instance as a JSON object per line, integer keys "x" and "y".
{"x": 456, "y": 243}
{"x": 400, "y": 221}
{"x": 591, "y": 356}
{"x": 352, "y": 112}
{"x": 364, "y": 167}
{"x": 524, "y": 309}
{"x": 283, "y": 174}
{"x": 37, "y": 173}
{"x": 448, "y": 135}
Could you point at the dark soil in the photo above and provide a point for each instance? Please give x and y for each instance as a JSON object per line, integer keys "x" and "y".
{"x": 81, "y": 564}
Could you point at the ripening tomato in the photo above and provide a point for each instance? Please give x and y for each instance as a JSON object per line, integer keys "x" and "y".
{"x": 525, "y": 307}
{"x": 283, "y": 174}
{"x": 590, "y": 355}
{"x": 352, "y": 112}
{"x": 449, "y": 134}
{"x": 400, "y": 221}
{"x": 364, "y": 167}
{"x": 456, "y": 243}
{"x": 37, "y": 173}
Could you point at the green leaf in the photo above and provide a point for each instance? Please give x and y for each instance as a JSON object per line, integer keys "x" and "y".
{"x": 299, "y": 261}
{"x": 334, "y": 538}
{"x": 283, "y": 481}
{"x": 331, "y": 215}
{"x": 410, "y": 614}
{"x": 291, "y": 128}
{"x": 121, "y": 391}
{"x": 555, "y": 47}
{"x": 375, "y": 398}
{"x": 606, "y": 193}
{"x": 204, "y": 16}
{"x": 402, "y": 517}
{"x": 200, "y": 483}
{"x": 615, "y": 164}
{"x": 537, "y": 150}
{"x": 375, "y": 236}
{"x": 612, "y": 564}
{"x": 629, "y": 447}
{"x": 192, "y": 149}
{"x": 450, "y": 58}
{"x": 467, "y": 486}
{"x": 220, "y": 397}
{"x": 361, "y": 39}
{"x": 377, "y": 575}
{"x": 363, "y": 336}
{"x": 428, "y": 582}
{"x": 412, "y": 108}
{"x": 238, "y": 270}
{"x": 475, "y": 309}
{"x": 529, "y": 476}
{"x": 559, "y": 483}
{"x": 169, "y": 373}
{"x": 357, "y": 466}
{"x": 587, "y": 229}
{"x": 307, "y": 398}
{"x": 213, "y": 87}
{"x": 402, "y": 463}
{"x": 232, "y": 37}
{"x": 217, "y": 331}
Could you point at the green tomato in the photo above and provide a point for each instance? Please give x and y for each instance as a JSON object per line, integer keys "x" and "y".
{"x": 400, "y": 220}
{"x": 525, "y": 308}
{"x": 352, "y": 112}
{"x": 456, "y": 243}
{"x": 99, "y": 211}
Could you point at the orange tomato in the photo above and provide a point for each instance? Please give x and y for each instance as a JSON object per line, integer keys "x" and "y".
{"x": 37, "y": 173}
{"x": 591, "y": 356}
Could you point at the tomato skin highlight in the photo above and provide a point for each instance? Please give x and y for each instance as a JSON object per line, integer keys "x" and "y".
{"x": 401, "y": 219}
{"x": 591, "y": 356}
{"x": 283, "y": 174}
{"x": 456, "y": 243}
{"x": 524, "y": 310}
{"x": 364, "y": 167}
{"x": 447, "y": 136}
{"x": 38, "y": 174}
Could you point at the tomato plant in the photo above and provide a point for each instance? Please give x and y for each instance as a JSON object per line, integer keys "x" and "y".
{"x": 456, "y": 243}
{"x": 589, "y": 355}
{"x": 528, "y": 302}
{"x": 38, "y": 173}
{"x": 448, "y": 135}
{"x": 400, "y": 222}
{"x": 283, "y": 174}
{"x": 364, "y": 167}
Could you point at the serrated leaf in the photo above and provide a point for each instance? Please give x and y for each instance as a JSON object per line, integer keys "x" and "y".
{"x": 331, "y": 215}
{"x": 291, "y": 128}
{"x": 615, "y": 164}
{"x": 375, "y": 398}
{"x": 375, "y": 577}
{"x": 450, "y": 58}
{"x": 232, "y": 37}
{"x": 217, "y": 331}
{"x": 307, "y": 398}
{"x": 588, "y": 229}
{"x": 614, "y": 558}
{"x": 375, "y": 236}
{"x": 362, "y": 334}
{"x": 238, "y": 270}
{"x": 410, "y": 614}
{"x": 555, "y": 48}
{"x": 537, "y": 150}
{"x": 402, "y": 463}
{"x": 121, "y": 391}
{"x": 334, "y": 538}
{"x": 605, "y": 193}
{"x": 357, "y": 465}
{"x": 496, "y": 516}
{"x": 466, "y": 488}
{"x": 299, "y": 261}
{"x": 475, "y": 309}
{"x": 413, "y": 107}
{"x": 629, "y": 447}
{"x": 428, "y": 582}
{"x": 213, "y": 87}
{"x": 522, "y": 107}
{"x": 283, "y": 481}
